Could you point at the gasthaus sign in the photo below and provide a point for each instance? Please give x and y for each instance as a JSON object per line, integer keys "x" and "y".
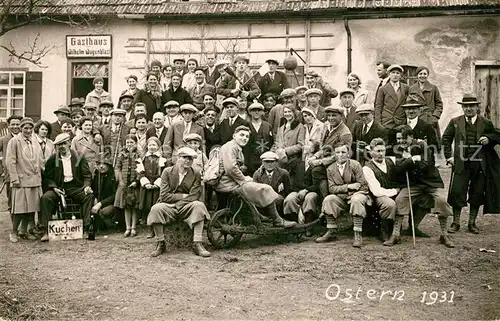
{"x": 90, "y": 46}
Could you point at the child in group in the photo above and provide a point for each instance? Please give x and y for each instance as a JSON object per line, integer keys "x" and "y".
{"x": 149, "y": 172}
{"x": 128, "y": 189}
{"x": 200, "y": 163}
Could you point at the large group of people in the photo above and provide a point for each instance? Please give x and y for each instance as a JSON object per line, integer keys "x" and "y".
{"x": 291, "y": 152}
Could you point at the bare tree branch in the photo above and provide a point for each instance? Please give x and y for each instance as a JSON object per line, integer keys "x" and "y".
{"x": 34, "y": 54}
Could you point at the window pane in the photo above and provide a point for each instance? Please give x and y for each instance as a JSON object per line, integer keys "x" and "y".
{"x": 17, "y": 79}
{"x": 16, "y": 103}
{"x": 17, "y": 92}
{"x": 3, "y": 102}
{"x": 4, "y": 78}
{"x": 3, "y": 92}
{"x": 3, "y": 113}
{"x": 17, "y": 112}
{"x": 90, "y": 70}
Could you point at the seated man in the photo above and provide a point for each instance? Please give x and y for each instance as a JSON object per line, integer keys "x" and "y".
{"x": 349, "y": 191}
{"x": 417, "y": 163}
{"x": 278, "y": 178}
{"x": 72, "y": 179}
{"x": 380, "y": 175}
{"x": 104, "y": 186}
{"x": 179, "y": 194}
{"x": 233, "y": 179}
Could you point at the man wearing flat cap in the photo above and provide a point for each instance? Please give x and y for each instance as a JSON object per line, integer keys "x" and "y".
{"x": 273, "y": 81}
{"x": 476, "y": 175}
{"x": 201, "y": 88}
{"x": 66, "y": 173}
{"x": 233, "y": 180}
{"x": 172, "y": 113}
{"x": 347, "y": 102}
{"x": 177, "y": 131}
{"x": 390, "y": 97}
{"x": 313, "y": 80}
{"x": 261, "y": 136}
{"x": 313, "y": 96}
{"x": 246, "y": 87}
{"x": 24, "y": 162}
{"x": 180, "y": 66}
{"x": 301, "y": 97}
{"x": 180, "y": 192}
{"x": 365, "y": 131}
{"x": 61, "y": 112}
{"x": 105, "y": 108}
{"x": 125, "y": 102}
{"x": 229, "y": 124}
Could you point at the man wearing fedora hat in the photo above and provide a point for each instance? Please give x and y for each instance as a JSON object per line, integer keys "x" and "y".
{"x": 76, "y": 103}
{"x": 24, "y": 162}
{"x": 61, "y": 112}
{"x": 273, "y": 81}
{"x": 476, "y": 176}
{"x": 390, "y": 97}
{"x": 66, "y": 173}
{"x": 313, "y": 80}
{"x": 421, "y": 129}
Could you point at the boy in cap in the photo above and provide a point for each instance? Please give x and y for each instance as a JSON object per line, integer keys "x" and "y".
{"x": 390, "y": 97}
{"x": 273, "y": 81}
{"x": 475, "y": 163}
{"x": 61, "y": 112}
{"x": 313, "y": 96}
{"x": 180, "y": 193}
{"x": 313, "y": 80}
{"x": 66, "y": 173}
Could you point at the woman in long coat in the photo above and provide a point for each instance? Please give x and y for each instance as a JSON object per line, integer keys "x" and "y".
{"x": 24, "y": 162}
{"x": 85, "y": 144}
{"x": 429, "y": 95}
{"x": 289, "y": 142}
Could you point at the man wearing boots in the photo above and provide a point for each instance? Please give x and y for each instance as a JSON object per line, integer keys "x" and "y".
{"x": 180, "y": 192}
{"x": 379, "y": 174}
{"x": 348, "y": 191}
{"x": 417, "y": 163}
{"x": 234, "y": 181}
{"x": 475, "y": 164}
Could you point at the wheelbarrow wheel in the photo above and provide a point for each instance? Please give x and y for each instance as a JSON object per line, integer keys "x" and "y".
{"x": 217, "y": 236}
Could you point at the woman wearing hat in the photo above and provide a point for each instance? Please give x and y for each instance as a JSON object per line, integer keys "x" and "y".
{"x": 361, "y": 96}
{"x": 189, "y": 80}
{"x": 85, "y": 145}
{"x": 132, "y": 87}
{"x": 261, "y": 136}
{"x": 97, "y": 95}
{"x": 151, "y": 96}
{"x": 24, "y": 162}
{"x": 289, "y": 142}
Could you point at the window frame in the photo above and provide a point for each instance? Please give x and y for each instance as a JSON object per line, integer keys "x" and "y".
{"x": 9, "y": 88}
{"x": 70, "y": 62}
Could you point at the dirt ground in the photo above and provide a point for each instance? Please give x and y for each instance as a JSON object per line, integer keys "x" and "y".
{"x": 260, "y": 279}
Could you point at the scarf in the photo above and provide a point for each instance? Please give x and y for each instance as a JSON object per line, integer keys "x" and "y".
{"x": 155, "y": 92}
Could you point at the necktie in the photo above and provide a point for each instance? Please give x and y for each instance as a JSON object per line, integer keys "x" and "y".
{"x": 469, "y": 121}
{"x": 42, "y": 145}
{"x": 365, "y": 129}
{"x": 158, "y": 133}
{"x": 30, "y": 148}
{"x": 272, "y": 77}
{"x": 106, "y": 121}
{"x": 186, "y": 129}
{"x": 231, "y": 122}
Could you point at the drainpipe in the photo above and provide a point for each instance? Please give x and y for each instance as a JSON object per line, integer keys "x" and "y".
{"x": 349, "y": 46}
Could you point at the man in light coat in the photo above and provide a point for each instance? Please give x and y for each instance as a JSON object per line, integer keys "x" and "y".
{"x": 390, "y": 97}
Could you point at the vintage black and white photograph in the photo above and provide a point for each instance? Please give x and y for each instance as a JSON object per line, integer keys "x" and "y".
{"x": 249, "y": 160}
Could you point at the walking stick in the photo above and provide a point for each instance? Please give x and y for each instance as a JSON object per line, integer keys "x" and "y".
{"x": 411, "y": 209}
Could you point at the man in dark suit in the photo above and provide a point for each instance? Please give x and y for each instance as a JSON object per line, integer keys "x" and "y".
{"x": 105, "y": 108}
{"x": 347, "y": 103}
{"x": 180, "y": 66}
{"x": 228, "y": 125}
{"x": 180, "y": 192}
{"x": 273, "y": 81}
{"x": 176, "y": 92}
{"x": 113, "y": 135}
{"x": 421, "y": 129}
{"x": 211, "y": 71}
{"x": 475, "y": 163}
{"x": 382, "y": 75}
{"x": 158, "y": 130}
{"x": 278, "y": 178}
{"x": 390, "y": 97}
{"x": 365, "y": 131}
{"x": 415, "y": 162}
{"x": 211, "y": 129}
{"x": 61, "y": 113}
{"x": 66, "y": 173}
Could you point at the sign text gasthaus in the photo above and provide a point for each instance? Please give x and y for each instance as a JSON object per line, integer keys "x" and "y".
{"x": 91, "y": 46}
{"x": 65, "y": 230}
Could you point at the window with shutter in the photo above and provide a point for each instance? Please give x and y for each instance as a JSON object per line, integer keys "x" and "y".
{"x": 33, "y": 107}
{"x": 12, "y": 93}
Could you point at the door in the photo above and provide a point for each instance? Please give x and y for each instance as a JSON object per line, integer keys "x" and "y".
{"x": 487, "y": 85}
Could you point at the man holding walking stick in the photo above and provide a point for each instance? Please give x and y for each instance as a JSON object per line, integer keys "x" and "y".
{"x": 416, "y": 163}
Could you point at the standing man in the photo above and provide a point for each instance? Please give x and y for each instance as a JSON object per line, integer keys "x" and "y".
{"x": 158, "y": 130}
{"x": 475, "y": 163}
{"x": 250, "y": 91}
{"x": 313, "y": 80}
{"x": 348, "y": 192}
{"x": 114, "y": 134}
{"x": 176, "y": 92}
{"x": 66, "y": 173}
{"x": 421, "y": 129}
{"x": 365, "y": 131}
{"x": 382, "y": 75}
{"x": 211, "y": 71}
{"x": 273, "y": 81}
{"x": 391, "y": 96}
{"x": 180, "y": 192}
{"x": 201, "y": 88}
{"x": 61, "y": 112}
{"x": 13, "y": 123}
{"x": 180, "y": 66}
{"x": 125, "y": 103}
{"x": 228, "y": 125}
{"x": 212, "y": 129}
{"x": 347, "y": 102}
{"x": 24, "y": 162}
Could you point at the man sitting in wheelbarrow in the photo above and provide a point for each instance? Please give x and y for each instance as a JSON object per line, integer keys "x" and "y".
{"x": 234, "y": 181}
